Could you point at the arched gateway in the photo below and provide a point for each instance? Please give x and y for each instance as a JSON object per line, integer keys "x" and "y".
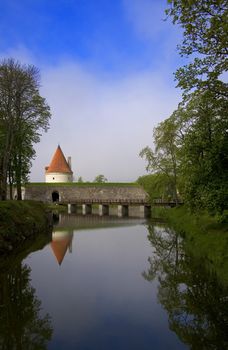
{"x": 55, "y": 196}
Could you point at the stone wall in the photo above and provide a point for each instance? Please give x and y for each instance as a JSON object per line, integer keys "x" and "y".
{"x": 74, "y": 194}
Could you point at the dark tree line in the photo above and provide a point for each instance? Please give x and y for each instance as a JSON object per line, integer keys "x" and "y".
{"x": 191, "y": 146}
{"x": 22, "y": 325}
{"x": 23, "y": 115}
{"x": 192, "y": 295}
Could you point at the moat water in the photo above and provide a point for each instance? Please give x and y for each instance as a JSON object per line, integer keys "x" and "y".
{"x": 109, "y": 283}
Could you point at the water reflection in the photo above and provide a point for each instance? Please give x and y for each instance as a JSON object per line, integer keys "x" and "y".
{"x": 98, "y": 298}
{"x": 61, "y": 242}
{"x": 21, "y": 324}
{"x": 196, "y": 302}
{"x": 66, "y": 224}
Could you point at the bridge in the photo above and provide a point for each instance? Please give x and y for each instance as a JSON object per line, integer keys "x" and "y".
{"x": 114, "y": 199}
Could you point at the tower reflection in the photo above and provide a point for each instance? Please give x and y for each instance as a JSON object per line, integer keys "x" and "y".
{"x": 61, "y": 242}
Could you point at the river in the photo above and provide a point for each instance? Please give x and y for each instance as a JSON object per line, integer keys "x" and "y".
{"x": 111, "y": 283}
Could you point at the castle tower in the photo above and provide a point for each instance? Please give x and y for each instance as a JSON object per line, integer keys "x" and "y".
{"x": 59, "y": 169}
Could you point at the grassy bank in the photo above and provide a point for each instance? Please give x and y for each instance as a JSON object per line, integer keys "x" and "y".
{"x": 20, "y": 221}
{"x": 204, "y": 238}
{"x": 84, "y": 184}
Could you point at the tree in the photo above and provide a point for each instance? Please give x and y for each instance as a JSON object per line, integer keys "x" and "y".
{"x": 205, "y": 38}
{"x": 191, "y": 151}
{"x": 189, "y": 290}
{"x": 204, "y": 148}
{"x": 22, "y": 325}
{"x": 80, "y": 179}
{"x": 191, "y": 147}
{"x": 157, "y": 186}
{"x": 100, "y": 179}
{"x": 23, "y": 114}
{"x": 164, "y": 159}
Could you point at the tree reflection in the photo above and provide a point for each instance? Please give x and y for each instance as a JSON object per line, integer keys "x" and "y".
{"x": 196, "y": 302}
{"x": 21, "y": 325}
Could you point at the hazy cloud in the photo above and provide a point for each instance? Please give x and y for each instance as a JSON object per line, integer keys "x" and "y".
{"x": 101, "y": 121}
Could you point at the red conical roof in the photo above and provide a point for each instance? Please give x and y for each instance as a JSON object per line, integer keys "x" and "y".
{"x": 61, "y": 241}
{"x": 58, "y": 163}
{"x": 59, "y": 248}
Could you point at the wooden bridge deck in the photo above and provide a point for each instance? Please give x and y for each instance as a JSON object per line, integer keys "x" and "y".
{"x": 121, "y": 202}
{"x": 107, "y": 201}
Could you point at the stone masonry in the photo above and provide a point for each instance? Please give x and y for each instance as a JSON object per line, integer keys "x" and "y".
{"x": 86, "y": 194}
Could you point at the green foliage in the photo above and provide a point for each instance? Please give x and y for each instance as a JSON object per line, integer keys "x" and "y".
{"x": 21, "y": 323}
{"x": 204, "y": 151}
{"x": 189, "y": 289}
{"x": 191, "y": 146}
{"x": 80, "y": 179}
{"x": 157, "y": 186}
{"x": 204, "y": 237}
{"x": 205, "y": 26}
{"x": 21, "y": 218}
{"x": 191, "y": 152}
{"x": 163, "y": 161}
{"x": 23, "y": 115}
{"x": 100, "y": 179}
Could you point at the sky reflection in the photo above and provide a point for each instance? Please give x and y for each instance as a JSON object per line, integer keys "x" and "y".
{"x": 97, "y": 298}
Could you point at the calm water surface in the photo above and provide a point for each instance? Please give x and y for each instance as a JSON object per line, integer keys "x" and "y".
{"x": 104, "y": 283}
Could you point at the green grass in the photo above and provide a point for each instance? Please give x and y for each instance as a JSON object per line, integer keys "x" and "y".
{"x": 57, "y": 207}
{"x": 204, "y": 237}
{"x": 20, "y": 220}
{"x": 85, "y": 184}
{"x": 19, "y": 212}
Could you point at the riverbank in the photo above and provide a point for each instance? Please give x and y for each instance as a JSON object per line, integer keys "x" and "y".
{"x": 21, "y": 221}
{"x": 204, "y": 237}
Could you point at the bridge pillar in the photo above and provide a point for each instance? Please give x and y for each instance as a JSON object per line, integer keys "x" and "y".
{"x": 122, "y": 210}
{"x": 71, "y": 208}
{"x": 103, "y": 209}
{"x": 145, "y": 211}
{"x": 86, "y": 209}
{"x": 141, "y": 211}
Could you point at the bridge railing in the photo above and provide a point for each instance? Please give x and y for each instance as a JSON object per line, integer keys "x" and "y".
{"x": 162, "y": 202}
{"x": 106, "y": 201}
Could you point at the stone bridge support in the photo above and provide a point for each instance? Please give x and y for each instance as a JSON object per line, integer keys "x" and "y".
{"x": 103, "y": 209}
{"x": 145, "y": 211}
{"x": 122, "y": 210}
{"x": 141, "y": 211}
{"x": 71, "y": 208}
{"x": 86, "y": 209}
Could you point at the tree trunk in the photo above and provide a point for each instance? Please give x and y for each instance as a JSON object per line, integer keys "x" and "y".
{"x": 19, "y": 196}
{"x": 18, "y": 179}
{"x": 3, "y": 182}
{"x": 11, "y": 190}
{"x": 10, "y": 180}
{"x": 5, "y": 159}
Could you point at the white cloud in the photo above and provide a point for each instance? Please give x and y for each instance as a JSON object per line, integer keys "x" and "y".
{"x": 20, "y": 53}
{"x": 102, "y": 123}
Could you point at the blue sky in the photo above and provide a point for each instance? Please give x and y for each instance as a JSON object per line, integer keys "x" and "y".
{"x": 106, "y": 71}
